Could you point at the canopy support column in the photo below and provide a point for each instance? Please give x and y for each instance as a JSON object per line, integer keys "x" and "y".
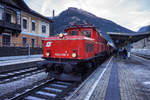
{"x": 128, "y": 49}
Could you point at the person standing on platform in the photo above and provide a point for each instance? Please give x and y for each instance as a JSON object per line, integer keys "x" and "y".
{"x": 120, "y": 52}
{"x": 124, "y": 53}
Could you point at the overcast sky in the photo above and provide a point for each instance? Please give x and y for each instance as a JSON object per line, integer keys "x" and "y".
{"x": 131, "y": 14}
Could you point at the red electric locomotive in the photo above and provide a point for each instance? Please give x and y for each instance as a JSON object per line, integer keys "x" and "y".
{"x": 68, "y": 56}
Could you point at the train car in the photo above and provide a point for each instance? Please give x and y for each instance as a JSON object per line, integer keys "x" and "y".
{"x": 68, "y": 56}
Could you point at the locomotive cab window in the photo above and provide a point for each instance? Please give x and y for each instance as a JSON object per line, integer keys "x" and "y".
{"x": 73, "y": 33}
{"x": 86, "y": 33}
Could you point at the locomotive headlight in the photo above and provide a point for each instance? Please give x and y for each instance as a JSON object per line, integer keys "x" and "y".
{"x": 74, "y": 55}
{"x": 61, "y": 35}
{"x": 47, "y": 54}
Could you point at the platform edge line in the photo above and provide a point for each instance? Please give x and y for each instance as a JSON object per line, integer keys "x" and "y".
{"x": 97, "y": 81}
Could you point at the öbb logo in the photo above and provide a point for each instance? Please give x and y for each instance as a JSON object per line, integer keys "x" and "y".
{"x": 48, "y": 44}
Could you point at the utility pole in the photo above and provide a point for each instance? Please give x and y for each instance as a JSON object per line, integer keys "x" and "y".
{"x": 53, "y": 23}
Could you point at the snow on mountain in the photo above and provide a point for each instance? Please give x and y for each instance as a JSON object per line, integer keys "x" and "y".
{"x": 73, "y": 14}
{"x": 144, "y": 29}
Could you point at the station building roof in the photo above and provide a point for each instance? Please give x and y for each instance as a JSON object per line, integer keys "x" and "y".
{"x": 20, "y": 4}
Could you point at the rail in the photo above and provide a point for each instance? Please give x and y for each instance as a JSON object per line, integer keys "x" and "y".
{"x": 52, "y": 89}
{"x": 17, "y": 74}
{"x": 26, "y": 93}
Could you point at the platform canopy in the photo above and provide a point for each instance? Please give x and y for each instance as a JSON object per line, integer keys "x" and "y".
{"x": 122, "y": 39}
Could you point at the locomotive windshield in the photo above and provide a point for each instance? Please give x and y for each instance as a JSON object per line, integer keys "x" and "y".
{"x": 73, "y": 33}
{"x": 86, "y": 33}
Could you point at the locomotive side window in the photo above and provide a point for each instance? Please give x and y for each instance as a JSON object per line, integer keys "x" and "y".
{"x": 73, "y": 33}
{"x": 89, "y": 47}
{"x": 86, "y": 33}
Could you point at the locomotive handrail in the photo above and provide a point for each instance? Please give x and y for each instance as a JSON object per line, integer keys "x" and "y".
{"x": 80, "y": 24}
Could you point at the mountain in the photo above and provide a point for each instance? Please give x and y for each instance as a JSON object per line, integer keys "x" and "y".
{"x": 71, "y": 15}
{"x": 144, "y": 29}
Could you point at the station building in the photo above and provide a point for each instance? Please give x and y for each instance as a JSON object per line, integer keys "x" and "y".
{"x": 20, "y": 26}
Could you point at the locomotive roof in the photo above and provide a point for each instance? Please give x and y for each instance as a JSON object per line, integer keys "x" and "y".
{"x": 105, "y": 36}
{"x": 79, "y": 26}
{"x": 86, "y": 26}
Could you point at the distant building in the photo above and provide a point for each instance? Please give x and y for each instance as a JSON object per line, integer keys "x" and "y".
{"x": 142, "y": 44}
{"x": 21, "y": 26}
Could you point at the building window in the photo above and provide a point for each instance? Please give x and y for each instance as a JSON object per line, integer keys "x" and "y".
{"x": 8, "y": 17}
{"x": 6, "y": 39}
{"x": 10, "y": 14}
{"x": 25, "y": 24}
{"x": 1, "y": 12}
{"x": 18, "y": 17}
{"x": 43, "y": 27}
{"x": 33, "y": 42}
{"x": 24, "y": 41}
{"x": 33, "y": 25}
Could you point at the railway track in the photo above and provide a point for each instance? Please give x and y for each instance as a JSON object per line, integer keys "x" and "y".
{"x": 47, "y": 90}
{"x": 50, "y": 90}
{"x": 17, "y": 74}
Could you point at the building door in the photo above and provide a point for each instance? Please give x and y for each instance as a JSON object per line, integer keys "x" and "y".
{"x": 24, "y": 41}
{"x": 33, "y": 42}
{"x": 6, "y": 39}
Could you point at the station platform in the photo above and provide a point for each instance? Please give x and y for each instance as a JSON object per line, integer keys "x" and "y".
{"x": 117, "y": 79}
{"x": 4, "y": 61}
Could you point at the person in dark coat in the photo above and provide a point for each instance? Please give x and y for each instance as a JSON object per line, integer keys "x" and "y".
{"x": 124, "y": 53}
{"x": 120, "y": 52}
